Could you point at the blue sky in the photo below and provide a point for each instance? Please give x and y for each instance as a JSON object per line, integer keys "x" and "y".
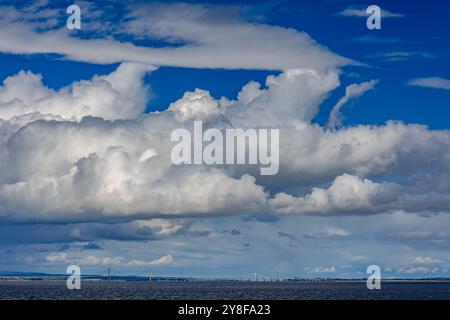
{"x": 422, "y": 33}
{"x": 385, "y": 185}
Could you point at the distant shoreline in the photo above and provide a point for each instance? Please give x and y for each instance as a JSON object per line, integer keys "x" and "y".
{"x": 193, "y": 279}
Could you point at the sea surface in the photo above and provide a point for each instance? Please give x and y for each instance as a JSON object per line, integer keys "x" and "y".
{"x": 223, "y": 290}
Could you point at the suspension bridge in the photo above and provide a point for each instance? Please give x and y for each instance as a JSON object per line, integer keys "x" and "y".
{"x": 106, "y": 274}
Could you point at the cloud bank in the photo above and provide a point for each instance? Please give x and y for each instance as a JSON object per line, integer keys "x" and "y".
{"x": 88, "y": 153}
{"x": 92, "y": 260}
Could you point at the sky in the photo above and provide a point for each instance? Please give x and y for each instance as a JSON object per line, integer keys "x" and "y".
{"x": 86, "y": 117}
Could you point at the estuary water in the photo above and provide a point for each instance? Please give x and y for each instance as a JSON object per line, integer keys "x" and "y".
{"x": 323, "y": 290}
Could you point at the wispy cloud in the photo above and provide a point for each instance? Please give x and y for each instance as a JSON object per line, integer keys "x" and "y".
{"x": 201, "y": 42}
{"x": 352, "y": 91}
{"x": 431, "y": 82}
{"x": 403, "y": 55}
{"x": 331, "y": 269}
{"x": 358, "y": 11}
{"x": 371, "y": 39}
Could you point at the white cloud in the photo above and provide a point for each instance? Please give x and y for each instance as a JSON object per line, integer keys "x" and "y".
{"x": 423, "y": 265}
{"x": 120, "y": 95}
{"x": 250, "y": 92}
{"x": 57, "y": 257}
{"x": 346, "y": 194}
{"x": 323, "y": 270}
{"x": 352, "y": 91}
{"x": 292, "y": 99}
{"x": 362, "y": 12}
{"x": 425, "y": 260}
{"x": 328, "y": 233}
{"x": 92, "y": 260}
{"x": 403, "y": 55}
{"x": 148, "y": 154}
{"x": 61, "y": 159}
{"x": 320, "y": 155}
{"x": 431, "y": 82}
{"x": 233, "y": 43}
{"x": 197, "y": 105}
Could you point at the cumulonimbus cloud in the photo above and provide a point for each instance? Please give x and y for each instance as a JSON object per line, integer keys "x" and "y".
{"x": 73, "y": 163}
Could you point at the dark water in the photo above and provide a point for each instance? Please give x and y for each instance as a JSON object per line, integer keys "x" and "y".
{"x": 223, "y": 290}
